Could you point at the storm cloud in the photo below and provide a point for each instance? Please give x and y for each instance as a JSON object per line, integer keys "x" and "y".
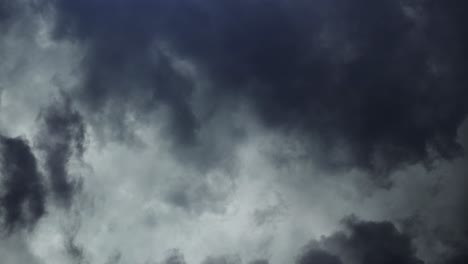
{"x": 22, "y": 196}
{"x": 24, "y": 189}
{"x": 7, "y": 9}
{"x": 234, "y": 131}
{"x": 383, "y": 82}
{"x": 363, "y": 243}
{"x": 319, "y": 256}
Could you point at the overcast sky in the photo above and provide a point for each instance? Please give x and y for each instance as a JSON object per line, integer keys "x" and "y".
{"x": 233, "y": 132}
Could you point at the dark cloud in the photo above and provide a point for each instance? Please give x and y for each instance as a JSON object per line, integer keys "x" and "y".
{"x": 222, "y": 259}
{"x": 61, "y": 137}
{"x": 459, "y": 258}
{"x": 317, "y": 256}
{"x": 373, "y": 85}
{"x": 23, "y": 189}
{"x": 127, "y": 74}
{"x": 446, "y": 242}
{"x": 13, "y": 12}
{"x": 385, "y": 81}
{"x": 22, "y": 194}
{"x": 7, "y": 9}
{"x": 363, "y": 243}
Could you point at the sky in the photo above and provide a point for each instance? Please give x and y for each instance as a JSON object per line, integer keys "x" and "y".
{"x": 233, "y": 132}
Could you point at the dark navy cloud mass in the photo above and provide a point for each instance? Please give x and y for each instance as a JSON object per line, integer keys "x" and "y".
{"x": 386, "y": 79}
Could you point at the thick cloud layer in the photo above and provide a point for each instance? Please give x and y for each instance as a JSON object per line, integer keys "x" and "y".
{"x": 22, "y": 194}
{"x": 231, "y": 132}
{"x": 384, "y": 82}
{"x": 363, "y": 243}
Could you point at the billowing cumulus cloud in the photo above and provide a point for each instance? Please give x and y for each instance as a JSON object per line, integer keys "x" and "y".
{"x": 231, "y": 132}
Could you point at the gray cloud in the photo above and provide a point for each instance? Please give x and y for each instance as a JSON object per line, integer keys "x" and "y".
{"x": 363, "y": 243}
{"x": 7, "y": 11}
{"x": 369, "y": 76}
{"x": 75, "y": 252}
{"x": 259, "y": 261}
{"x": 15, "y": 250}
{"x": 22, "y": 193}
{"x": 227, "y": 259}
{"x": 62, "y": 136}
{"x": 200, "y": 112}
{"x": 175, "y": 257}
{"x": 318, "y": 256}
